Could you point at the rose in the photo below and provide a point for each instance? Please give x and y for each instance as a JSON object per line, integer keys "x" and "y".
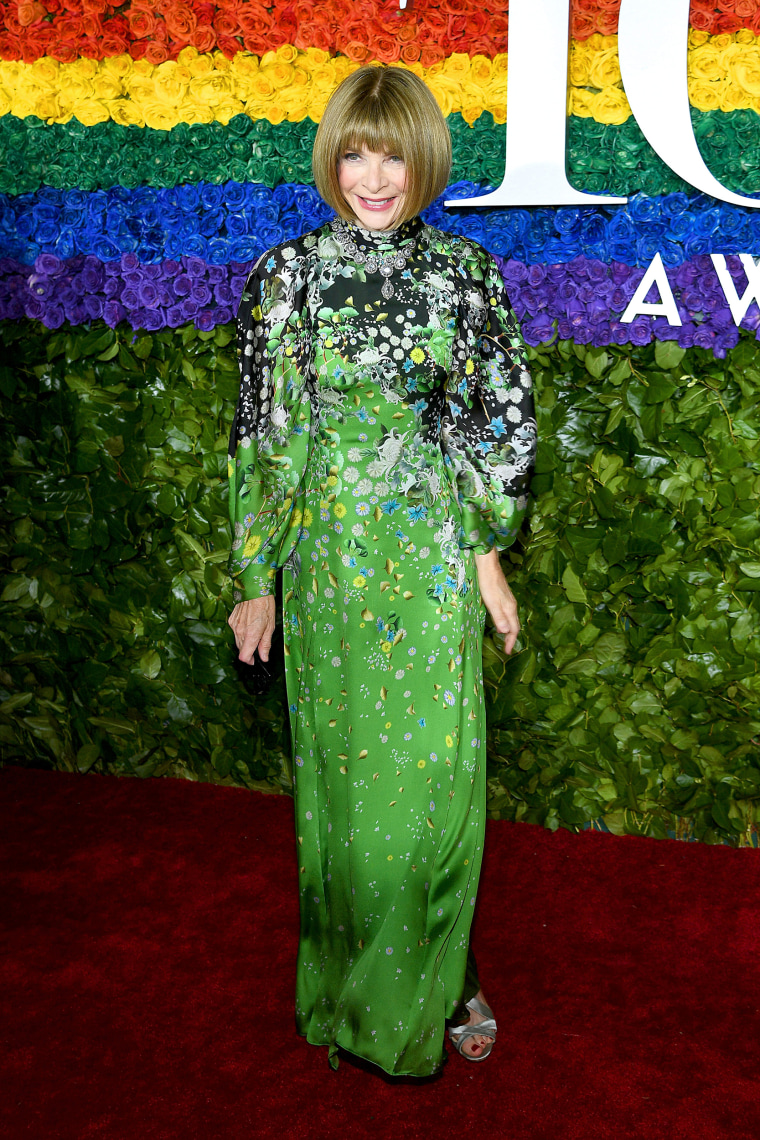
{"x": 610, "y": 105}
{"x": 744, "y": 68}
{"x": 53, "y": 316}
{"x": 702, "y": 21}
{"x": 384, "y": 47}
{"x": 727, "y": 25}
{"x": 30, "y": 12}
{"x": 582, "y": 25}
{"x": 538, "y": 330}
{"x": 204, "y": 38}
{"x": 431, "y": 54}
{"x": 142, "y": 23}
{"x": 181, "y": 21}
{"x": 226, "y": 21}
{"x": 607, "y": 22}
{"x": 174, "y": 317}
{"x": 228, "y": 45}
{"x": 744, "y": 9}
{"x": 604, "y": 69}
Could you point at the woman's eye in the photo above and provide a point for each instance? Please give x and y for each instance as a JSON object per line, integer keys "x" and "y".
{"x": 350, "y": 156}
{"x": 395, "y": 158}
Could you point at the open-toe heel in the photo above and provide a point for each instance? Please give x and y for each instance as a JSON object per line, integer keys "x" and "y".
{"x": 458, "y": 1034}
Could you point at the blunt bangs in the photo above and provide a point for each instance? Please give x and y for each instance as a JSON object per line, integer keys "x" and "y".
{"x": 385, "y": 109}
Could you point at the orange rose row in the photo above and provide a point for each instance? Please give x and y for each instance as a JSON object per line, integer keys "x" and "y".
{"x": 157, "y": 30}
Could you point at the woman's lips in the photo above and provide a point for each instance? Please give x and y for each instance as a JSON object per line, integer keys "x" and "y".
{"x": 376, "y": 204}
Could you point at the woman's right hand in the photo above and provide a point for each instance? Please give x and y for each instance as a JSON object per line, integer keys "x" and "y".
{"x": 252, "y": 622}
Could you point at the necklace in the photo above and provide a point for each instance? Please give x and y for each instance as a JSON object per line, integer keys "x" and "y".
{"x": 373, "y": 262}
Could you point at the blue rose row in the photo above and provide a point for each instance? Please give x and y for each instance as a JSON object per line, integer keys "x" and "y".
{"x": 236, "y": 222}
{"x": 582, "y": 299}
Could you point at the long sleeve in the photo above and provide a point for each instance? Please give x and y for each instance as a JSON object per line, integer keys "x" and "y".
{"x": 488, "y": 428}
{"x": 270, "y": 437}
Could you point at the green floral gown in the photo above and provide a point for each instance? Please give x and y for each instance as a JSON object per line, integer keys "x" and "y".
{"x": 378, "y": 441}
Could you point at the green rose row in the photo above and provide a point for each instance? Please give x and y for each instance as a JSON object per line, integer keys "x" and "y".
{"x": 600, "y": 156}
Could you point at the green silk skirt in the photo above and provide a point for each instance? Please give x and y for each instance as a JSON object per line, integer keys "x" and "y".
{"x": 383, "y": 646}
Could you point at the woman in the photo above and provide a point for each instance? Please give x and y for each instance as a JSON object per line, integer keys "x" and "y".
{"x": 380, "y": 455}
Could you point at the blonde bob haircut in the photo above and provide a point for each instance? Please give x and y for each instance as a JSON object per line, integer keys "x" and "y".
{"x": 387, "y": 110}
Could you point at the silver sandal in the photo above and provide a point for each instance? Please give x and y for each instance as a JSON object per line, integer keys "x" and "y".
{"x": 461, "y": 1033}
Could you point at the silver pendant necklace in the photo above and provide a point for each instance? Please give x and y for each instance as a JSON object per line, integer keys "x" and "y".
{"x": 373, "y": 262}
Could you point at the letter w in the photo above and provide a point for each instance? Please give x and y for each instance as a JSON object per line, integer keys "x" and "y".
{"x": 738, "y": 305}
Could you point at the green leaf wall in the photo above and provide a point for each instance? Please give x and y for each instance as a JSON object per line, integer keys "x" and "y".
{"x": 634, "y": 701}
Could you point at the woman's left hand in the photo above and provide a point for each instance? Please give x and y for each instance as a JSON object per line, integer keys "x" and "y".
{"x": 498, "y": 598}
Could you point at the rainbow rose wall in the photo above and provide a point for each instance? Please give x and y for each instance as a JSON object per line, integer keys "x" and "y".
{"x": 149, "y": 153}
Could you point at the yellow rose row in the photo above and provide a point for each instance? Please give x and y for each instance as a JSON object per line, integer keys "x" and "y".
{"x": 293, "y": 84}
{"x": 288, "y": 84}
{"x": 723, "y": 75}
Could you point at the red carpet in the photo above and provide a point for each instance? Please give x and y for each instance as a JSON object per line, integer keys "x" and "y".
{"x": 148, "y": 945}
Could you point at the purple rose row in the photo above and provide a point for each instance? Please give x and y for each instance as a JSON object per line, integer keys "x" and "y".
{"x": 579, "y": 300}
{"x": 584, "y": 299}
{"x": 151, "y": 297}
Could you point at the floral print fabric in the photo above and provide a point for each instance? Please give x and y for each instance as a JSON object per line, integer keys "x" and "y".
{"x": 378, "y": 443}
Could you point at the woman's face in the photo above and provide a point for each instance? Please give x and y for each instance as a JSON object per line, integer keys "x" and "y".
{"x": 373, "y": 184}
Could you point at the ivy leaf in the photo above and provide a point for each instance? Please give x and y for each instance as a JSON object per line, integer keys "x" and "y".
{"x": 573, "y": 586}
{"x": 668, "y": 354}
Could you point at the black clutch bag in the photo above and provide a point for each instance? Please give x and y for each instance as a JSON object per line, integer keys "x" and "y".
{"x": 258, "y": 676}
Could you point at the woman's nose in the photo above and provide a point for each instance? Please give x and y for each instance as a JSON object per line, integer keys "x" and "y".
{"x": 374, "y": 176}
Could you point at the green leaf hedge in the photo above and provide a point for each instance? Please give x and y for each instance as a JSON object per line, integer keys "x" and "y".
{"x": 633, "y": 701}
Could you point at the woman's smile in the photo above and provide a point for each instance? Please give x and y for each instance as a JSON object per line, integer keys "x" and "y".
{"x": 374, "y": 186}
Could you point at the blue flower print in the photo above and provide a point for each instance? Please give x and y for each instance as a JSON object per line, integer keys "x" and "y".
{"x": 498, "y": 427}
{"x": 418, "y": 513}
{"x": 390, "y": 507}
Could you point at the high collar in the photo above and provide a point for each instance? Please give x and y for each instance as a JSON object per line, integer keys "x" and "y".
{"x": 381, "y": 241}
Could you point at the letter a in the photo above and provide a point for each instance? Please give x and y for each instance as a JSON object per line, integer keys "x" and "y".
{"x": 653, "y": 42}
{"x": 665, "y": 307}
{"x": 535, "y": 173}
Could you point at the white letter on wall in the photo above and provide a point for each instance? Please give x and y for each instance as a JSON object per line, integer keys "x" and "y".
{"x": 666, "y": 307}
{"x": 654, "y": 69}
{"x": 738, "y": 305}
{"x": 537, "y": 111}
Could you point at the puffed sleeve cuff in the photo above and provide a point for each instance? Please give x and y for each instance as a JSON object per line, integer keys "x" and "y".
{"x": 496, "y": 527}
{"x": 255, "y": 581}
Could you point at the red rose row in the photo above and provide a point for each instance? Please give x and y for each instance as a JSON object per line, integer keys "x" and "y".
{"x": 359, "y": 29}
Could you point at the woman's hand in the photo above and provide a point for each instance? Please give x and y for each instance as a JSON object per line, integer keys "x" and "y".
{"x": 497, "y": 597}
{"x": 252, "y": 622}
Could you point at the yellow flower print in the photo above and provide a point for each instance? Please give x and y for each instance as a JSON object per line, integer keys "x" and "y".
{"x": 417, "y": 355}
{"x": 308, "y": 517}
{"x": 421, "y": 763}
{"x": 360, "y": 580}
{"x": 449, "y": 742}
{"x": 339, "y": 510}
{"x": 252, "y": 546}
